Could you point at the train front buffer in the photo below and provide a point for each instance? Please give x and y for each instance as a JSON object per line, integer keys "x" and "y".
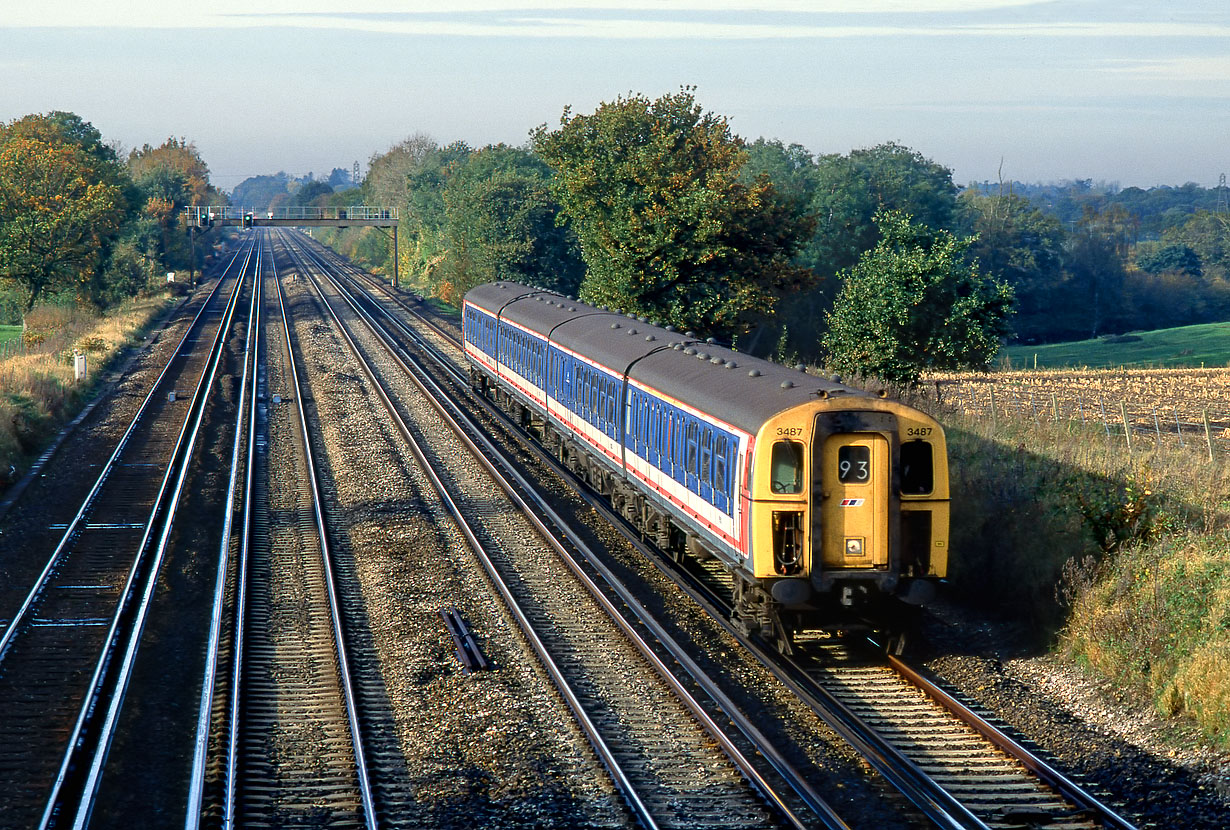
{"x": 849, "y": 505}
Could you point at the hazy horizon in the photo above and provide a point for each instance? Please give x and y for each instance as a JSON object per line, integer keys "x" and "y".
{"x": 1130, "y": 93}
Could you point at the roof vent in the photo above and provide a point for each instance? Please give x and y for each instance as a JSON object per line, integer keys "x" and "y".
{"x": 689, "y": 334}
{"x": 689, "y": 351}
{"x": 787, "y": 384}
{"x": 614, "y": 325}
{"x": 649, "y": 338}
{"x": 730, "y": 364}
{"x": 670, "y": 328}
{"x": 631, "y": 331}
{"x": 801, "y": 367}
{"x": 703, "y": 356}
{"x": 717, "y": 361}
{"x": 710, "y": 340}
{"x": 753, "y": 373}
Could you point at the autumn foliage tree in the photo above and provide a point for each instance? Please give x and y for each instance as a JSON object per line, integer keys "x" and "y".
{"x": 667, "y": 226}
{"x": 61, "y": 202}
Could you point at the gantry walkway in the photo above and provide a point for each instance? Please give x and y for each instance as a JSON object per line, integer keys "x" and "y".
{"x": 296, "y": 217}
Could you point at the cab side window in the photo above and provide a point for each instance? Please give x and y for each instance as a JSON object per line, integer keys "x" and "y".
{"x": 917, "y": 468}
{"x": 786, "y": 467}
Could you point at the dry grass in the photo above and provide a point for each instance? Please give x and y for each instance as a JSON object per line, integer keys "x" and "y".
{"x": 1157, "y": 617}
{"x": 1165, "y": 404}
{"x": 37, "y": 391}
{"x": 1121, "y": 560}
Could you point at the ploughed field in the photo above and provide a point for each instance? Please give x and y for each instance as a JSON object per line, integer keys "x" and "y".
{"x": 1167, "y": 404}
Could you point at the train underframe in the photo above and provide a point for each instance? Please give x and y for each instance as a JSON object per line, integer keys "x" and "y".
{"x": 849, "y": 611}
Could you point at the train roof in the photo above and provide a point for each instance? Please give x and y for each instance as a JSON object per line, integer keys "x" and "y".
{"x": 743, "y": 390}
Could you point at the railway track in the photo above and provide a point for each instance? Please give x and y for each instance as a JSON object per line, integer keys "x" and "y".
{"x": 67, "y": 649}
{"x": 953, "y": 765}
{"x": 281, "y": 712}
{"x": 670, "y": 771}
{"x": 294, "y": 725}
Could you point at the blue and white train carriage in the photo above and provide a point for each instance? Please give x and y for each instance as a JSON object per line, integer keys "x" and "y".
{"x": 827, "y": 504}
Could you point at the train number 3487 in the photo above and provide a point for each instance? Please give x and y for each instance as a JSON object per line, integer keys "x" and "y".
{"x": 918, "y": 432}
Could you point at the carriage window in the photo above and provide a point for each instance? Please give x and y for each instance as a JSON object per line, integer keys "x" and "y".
{"x": 854, "y": 464}
{"x": 706, "y": 454}
{"x": 719, "y": 466}
{"x": 786, "y": 467}
{"x": 690, "y": 462}
{"x": 917, "y": 468}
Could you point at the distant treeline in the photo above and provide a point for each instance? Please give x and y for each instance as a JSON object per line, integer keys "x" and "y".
{"x": 1084, "y": 259}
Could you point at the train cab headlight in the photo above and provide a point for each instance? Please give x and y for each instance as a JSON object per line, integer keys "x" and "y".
{"x": 854, "y": 546}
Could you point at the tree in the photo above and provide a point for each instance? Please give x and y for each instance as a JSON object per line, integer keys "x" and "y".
{"x": 1019, "y": 244}
{"x": 61, "y": 202}
{"x": 176, "y": 158}
{"x": 1176, "y": 258}
{"x": 1095, "y": 266}
{"x": 845, "y": 193}
{"x": 501, "y": 224}
{"x": 666, "y": 225}
{"x": 915, "y": 303}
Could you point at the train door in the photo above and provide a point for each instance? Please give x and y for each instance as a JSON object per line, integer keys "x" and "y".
{"x": 855, "y": 478}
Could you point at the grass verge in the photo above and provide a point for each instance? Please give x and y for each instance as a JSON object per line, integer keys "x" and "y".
{"x": 1120, "y": 561}
{"x": 38, "y": 393}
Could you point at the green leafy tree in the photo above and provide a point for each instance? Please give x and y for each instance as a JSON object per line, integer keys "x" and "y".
{"x": 501, "y": 224}
{"x": 845, "y": 193}
{"x": 1017, "y": 243}
{"x": 915, "y": 303}
{"x": 667, "y": 226}
{"x": 1094, "y": 261}
{"x": 61, "y": 203}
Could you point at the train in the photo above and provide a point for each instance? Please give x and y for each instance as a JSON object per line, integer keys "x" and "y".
{"x": 827, "y": 505}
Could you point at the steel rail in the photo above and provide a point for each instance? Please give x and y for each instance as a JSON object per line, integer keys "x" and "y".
{"x": 1059, "y": 782}
{"x": 159, "y": 522}
{"x": 487, "y": 451}
{"x": 241, "y": 577}
{"x": 116, "y": 698}
{"x": 1062, "y": 785}
{"x": 352, "y": 714}
{"x": 91, "y": 497}
{"x": 605, "y": 754}
{"x": 246, "y": 404}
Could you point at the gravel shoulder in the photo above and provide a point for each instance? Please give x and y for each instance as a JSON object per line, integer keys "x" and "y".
{"x": 1157, "y": 769}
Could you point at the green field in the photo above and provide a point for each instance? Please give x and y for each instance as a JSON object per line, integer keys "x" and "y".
{"x": 1205, "y": 345}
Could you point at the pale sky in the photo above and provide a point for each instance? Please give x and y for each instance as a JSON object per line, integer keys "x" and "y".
{"x": 1114, "y": 90}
